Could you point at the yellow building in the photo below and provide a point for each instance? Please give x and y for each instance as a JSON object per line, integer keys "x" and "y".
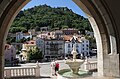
{"x": 25, "y": 48}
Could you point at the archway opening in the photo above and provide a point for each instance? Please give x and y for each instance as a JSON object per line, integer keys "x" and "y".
{"x": 104, "y": 41}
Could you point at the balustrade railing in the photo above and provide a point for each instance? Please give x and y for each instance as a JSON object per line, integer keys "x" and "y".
{"x": 22, "y": 72}
{"x": 35, "y": 71}
{"x": 90, "y": 65}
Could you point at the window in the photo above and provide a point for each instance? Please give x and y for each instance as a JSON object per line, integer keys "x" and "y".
{"x": 68, "y": 49}
{"x": 83, "y": 48}
{"x": 86, "y": 41}
{"x": 86, "y": 48}
{"x": 69, "y": 52}
{"x": 68, "y": 45}
{"x": 77, "y": 50}
{"x": 72, "y": 45}
{"x": 77, "y": 45}
{"x": 47, "y": 43}
{"x": 12, "y": 59}
{"x": 87, "y": 45}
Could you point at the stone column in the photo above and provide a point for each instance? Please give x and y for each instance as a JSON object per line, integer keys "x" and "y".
{"x": 1, "y": 60}
{"x": 86, "y": 63}
{"x": 37, "y": 70}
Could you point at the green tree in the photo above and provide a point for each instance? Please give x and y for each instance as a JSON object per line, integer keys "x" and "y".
{"x": 22, "y": 40}
{"x": 10, "y": 39}
{"x": 92, "y": 41}
{"x": 35, "y": 54}
{"x": 65, "y": 27}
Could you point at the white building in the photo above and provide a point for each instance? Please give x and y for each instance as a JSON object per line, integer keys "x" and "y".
{"x": 89, "y": 33}
{"x": 85, "y": 46}
{"x": 40, "y": 44}
{"x": 20, "y": 35}
{"x": 43, "y": 35}
{"x": 82, "y": 45}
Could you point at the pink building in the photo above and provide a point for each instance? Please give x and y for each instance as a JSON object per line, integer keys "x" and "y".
{"x": 9, "y": 53}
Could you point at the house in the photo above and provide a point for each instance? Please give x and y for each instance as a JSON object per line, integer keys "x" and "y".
{"x": 54, "y": 46}
{"x": 70, "y": 31}
{"x": 40, "y": 44}
{"x": 9, "y": 54}
{"x": 85, "y": 46}
{"x": 25, "y": 48}
{"x": 82, "y": 45}
{"x": 20, "y": 35}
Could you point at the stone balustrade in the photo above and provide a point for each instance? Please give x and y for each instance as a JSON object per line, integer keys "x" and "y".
{"x": 35, "y": 71}
{"x": 22, "y": 72}
{"x": 88, "y": 66}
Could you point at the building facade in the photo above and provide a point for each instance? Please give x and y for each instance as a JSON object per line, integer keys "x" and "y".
{"x": 9, "y": 54}
{"x": 70, "y": 31}
{"x": 54, "y": 48}
{"x": 85, "y": 47}
{"x": 40, "y": 44}
{"x": 82, "y": 45}
{"x": 31, "y": 45}
{"x": 20, "y": 35}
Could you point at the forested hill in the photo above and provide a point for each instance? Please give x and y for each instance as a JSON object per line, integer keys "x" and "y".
{"x": 43, "y": 15}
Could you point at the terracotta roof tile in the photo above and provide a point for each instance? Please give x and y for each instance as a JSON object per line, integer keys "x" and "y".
{"x": 67, "y": 37}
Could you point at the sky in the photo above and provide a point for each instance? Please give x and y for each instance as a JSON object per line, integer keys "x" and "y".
{"x": 56, "y": 3}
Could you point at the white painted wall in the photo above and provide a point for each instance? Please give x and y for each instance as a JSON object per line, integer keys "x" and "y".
{"x": 82, "y": 47}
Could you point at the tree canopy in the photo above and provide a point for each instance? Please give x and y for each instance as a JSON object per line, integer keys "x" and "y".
{"x": 35, "y": 54}
{"x": 46, "y": 16}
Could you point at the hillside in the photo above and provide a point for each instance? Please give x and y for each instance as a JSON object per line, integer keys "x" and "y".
{"x": 43, "y": 15}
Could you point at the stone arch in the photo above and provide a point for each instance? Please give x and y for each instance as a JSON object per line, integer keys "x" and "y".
{"x": 8, "y": 11}
{"x": 105, "y": 31}
{"x": 99, "y": 16}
